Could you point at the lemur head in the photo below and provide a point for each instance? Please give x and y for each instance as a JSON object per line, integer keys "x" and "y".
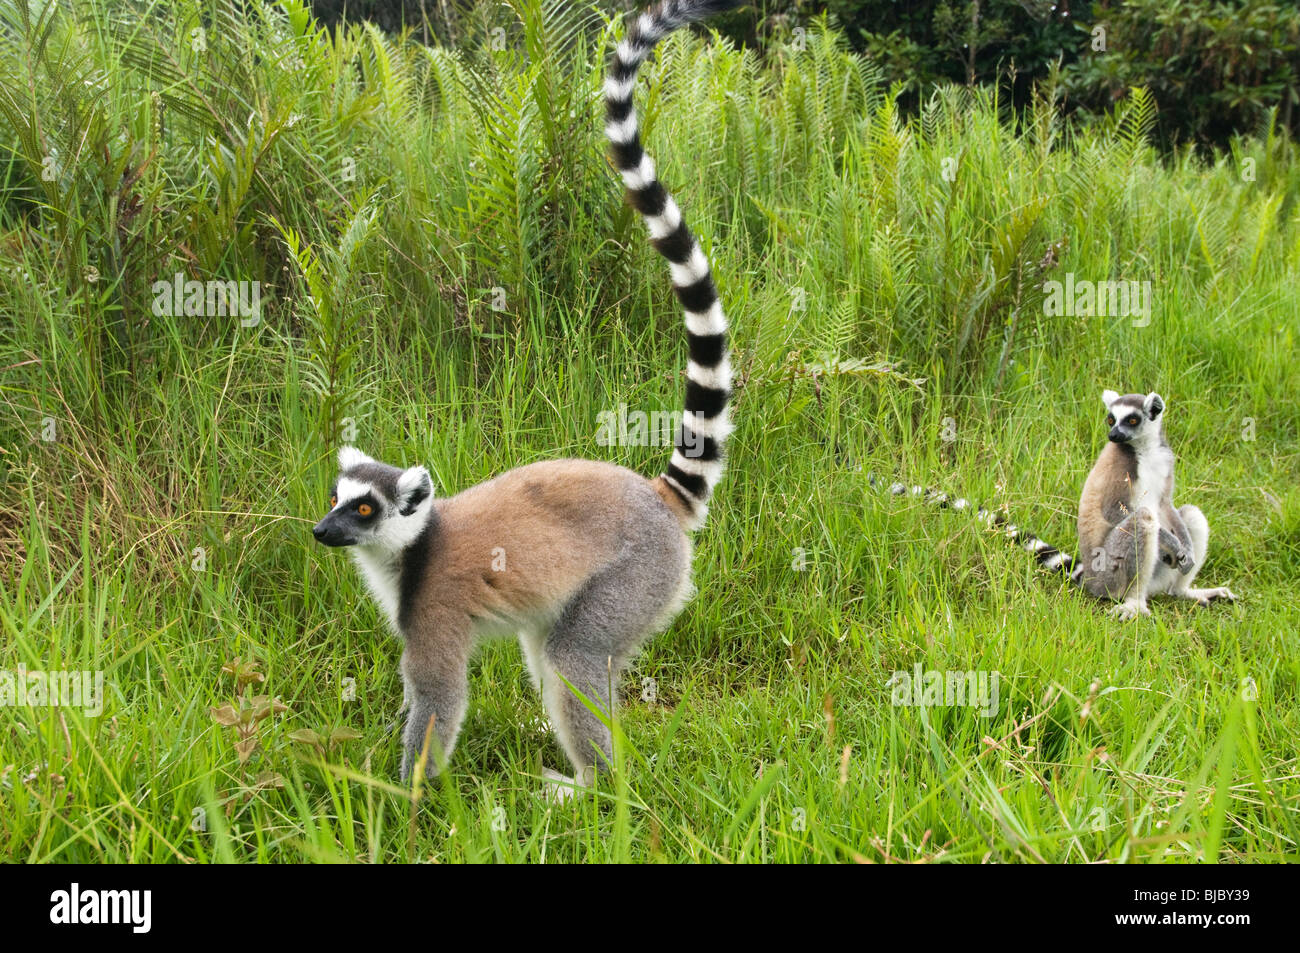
{"x": 1133, "y": 419}
{"x": 375, "y": 505}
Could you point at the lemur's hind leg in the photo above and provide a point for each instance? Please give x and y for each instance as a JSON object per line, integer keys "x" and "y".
{"x": 595, "y": 636}
{"x": 580, "y": 731}
{"x": 1170, "y": 580}
{"x": 1123, "y": 569}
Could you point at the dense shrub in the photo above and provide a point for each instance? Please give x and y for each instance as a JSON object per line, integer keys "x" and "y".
{"x": 389, "y": 15}
{"x": 963, "y": 41}
{"x": 1214, "y": 67}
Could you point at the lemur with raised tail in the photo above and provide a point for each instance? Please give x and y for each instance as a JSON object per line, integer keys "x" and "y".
{"x": 1133, "y": 543}
{"x": 582, "y": 560}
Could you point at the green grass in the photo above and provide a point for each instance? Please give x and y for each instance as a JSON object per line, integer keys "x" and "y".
{"x": 770, "y": 734}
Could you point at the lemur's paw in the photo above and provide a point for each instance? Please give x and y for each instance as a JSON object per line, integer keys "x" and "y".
{"x": 1185, "y": 562}
{"x": 559, "y": 788}
{"x": 1126, "y": 611}
{"x": 411, "y": 758}
{"x": 1204, "y": 597}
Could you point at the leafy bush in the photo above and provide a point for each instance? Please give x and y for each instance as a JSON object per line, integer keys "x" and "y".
{"x": 1215, "y": 67}
{"x": 961, "y": 41}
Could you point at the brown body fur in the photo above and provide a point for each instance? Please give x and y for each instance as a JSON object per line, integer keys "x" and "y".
{"x": 1107, "y": 496}
{"x": 551, "y": 525}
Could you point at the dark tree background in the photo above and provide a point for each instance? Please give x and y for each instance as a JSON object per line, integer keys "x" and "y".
{"x": 1215, "y": 67}
{"x": 388, "y": 14}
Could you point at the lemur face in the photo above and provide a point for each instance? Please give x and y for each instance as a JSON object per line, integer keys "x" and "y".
{"x": 1133, "y": 419}
{"x": 374, "y": 504}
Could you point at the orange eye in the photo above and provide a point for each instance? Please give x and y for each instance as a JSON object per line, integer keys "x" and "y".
{"x": 364, "y": 509}
{"x": 1132, "y": 421}
{"x": 334, "y": 501}
{"x": 1110, "y": 419}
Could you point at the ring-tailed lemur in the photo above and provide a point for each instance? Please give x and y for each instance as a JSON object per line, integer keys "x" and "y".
{"x": 583, "y": 560}
{"x": 1132, "y": 542}
{"x": 1136, "y": 544}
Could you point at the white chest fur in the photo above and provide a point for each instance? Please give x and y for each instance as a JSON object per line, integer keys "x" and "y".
{"x": 1154, "y": 469}
{"x": 382, "y": 573}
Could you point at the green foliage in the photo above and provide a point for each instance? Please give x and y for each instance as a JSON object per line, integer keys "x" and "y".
{"x": 1215, "y": 67}
{"x": 884, "y": 274}
{"x": 335, "y": 305}
{"x": 963, "y": 41}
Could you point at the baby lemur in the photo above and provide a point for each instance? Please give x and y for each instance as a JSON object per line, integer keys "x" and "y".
{"x": 1132, "y": 542}
{"x": 582, "y": 560}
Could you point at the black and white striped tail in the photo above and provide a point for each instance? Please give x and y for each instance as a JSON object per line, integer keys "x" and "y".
{"x": 697, "y": 461}
{"x": 1046, "y": 555}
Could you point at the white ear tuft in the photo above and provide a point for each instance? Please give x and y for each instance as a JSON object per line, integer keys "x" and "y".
{"x": 1109, "y": 397}
{"x": 414, "y": 486}
{"x": 350, "y": 457}
{"x": 1153, "y": 405}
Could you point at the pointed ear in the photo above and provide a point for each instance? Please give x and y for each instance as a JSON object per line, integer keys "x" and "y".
{"x": 1153, "y": 405}
{"x": 414, "y": 486}
{"x": 350, "y": 457}
{"x": 1109, "y": 397}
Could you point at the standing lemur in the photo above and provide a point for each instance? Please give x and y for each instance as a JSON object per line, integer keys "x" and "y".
{"x": 1132, "y": 542}
{"x": 583, "y": 560}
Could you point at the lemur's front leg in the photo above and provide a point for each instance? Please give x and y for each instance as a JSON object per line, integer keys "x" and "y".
{"x": 435, "y": 673}
{"x": 1174, "y": 554}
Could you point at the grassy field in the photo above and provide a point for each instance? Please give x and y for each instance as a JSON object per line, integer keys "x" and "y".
{"x": 448, "y": 275}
